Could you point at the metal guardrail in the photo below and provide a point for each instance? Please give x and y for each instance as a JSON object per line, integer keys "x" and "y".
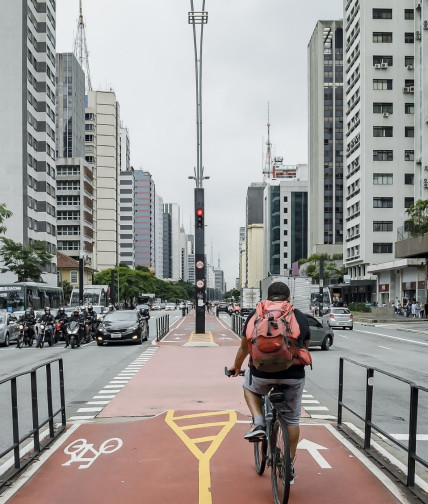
{"x": 369, "y": 425}
{"x": 162, "y": 326}
{"x": 237, "y": 323}
{"x": 38, "y": 445}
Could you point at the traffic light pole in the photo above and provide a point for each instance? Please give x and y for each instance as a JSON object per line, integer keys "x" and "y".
{"x": 199, "y": 18}
{"x": 200, "y": 266}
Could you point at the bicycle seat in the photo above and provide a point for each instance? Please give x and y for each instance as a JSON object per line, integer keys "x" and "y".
{"x": 276, "y": 394}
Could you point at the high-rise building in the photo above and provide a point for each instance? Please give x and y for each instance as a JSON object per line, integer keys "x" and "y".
{"x": 75, "y": 179}
{"x": 191, "y": 258}
{"x": 159, "y": 236}
{"x": 325, "y": 67}
{"x": 125, "y": 150}
{"x": 127, "y": 218}
{"x": 167, "y": 246}
{"x": 254, "y": 235}
{"x": 172, "y": 243}
{"x": 27, "y": 128}
{"x": 379, "y": 115}
{"x": 144, "y": 219}
{"x": 102, "y": 147}
{"x": 184, "y": 258}
{"x": 285, "y": 219}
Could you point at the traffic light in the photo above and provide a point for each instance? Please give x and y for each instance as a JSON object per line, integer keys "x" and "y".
{"x": 200, "y": 218}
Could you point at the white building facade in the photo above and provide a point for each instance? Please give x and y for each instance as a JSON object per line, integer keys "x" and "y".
{"x": 27, "y": 128}
{"x": 126, "y": 218}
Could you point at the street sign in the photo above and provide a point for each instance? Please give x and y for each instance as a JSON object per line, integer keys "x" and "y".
{"x": 199, "y": 264}
{"x": 200, "y": 284}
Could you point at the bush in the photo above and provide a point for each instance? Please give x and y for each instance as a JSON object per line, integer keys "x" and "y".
{"x": 359, "y": 307}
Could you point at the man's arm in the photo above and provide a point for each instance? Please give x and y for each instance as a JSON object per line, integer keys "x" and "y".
{"x": 241, "y": 354}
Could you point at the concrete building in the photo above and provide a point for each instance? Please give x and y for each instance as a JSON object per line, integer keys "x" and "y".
{"x": 127, "y": 218}
{"x": 144, "y": 219}
{"x": 75, "y": 179}
{"x": 125, "y": 149}
{"x": 285, "y": 202}
{"x": 191, "y": 258}
{"x": 158, "y": 236}
{"x": 102, "y": 146}
{"x": 219, "y": 282}
{"x": 167, "y": 247}
{"x": 172, "y": 248}
{"x": 27, "y": 129}
{"x": 184, "y": 258}
{"x": 254, "y": 224}
{"x": 379, "y": 125}
{"x": 325, "y": 78}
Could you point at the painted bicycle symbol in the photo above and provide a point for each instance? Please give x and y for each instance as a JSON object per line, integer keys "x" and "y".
{"x": 82, "y": 451}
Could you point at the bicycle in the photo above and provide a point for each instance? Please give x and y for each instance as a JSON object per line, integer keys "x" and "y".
{"x": 274, "y": 449}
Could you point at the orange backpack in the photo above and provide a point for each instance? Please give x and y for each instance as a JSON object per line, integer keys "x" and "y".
{"x": 273, "y": 338}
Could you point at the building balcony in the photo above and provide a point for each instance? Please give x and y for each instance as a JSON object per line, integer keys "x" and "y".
{"x": 411, "y": 247}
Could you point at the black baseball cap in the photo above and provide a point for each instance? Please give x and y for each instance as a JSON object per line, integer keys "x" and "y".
{"x": 278, "y": 291}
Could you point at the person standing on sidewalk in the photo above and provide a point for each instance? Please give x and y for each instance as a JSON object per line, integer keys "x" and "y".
{"x": 258, "y": 383}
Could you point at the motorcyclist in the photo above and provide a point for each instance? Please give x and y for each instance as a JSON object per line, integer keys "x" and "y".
{"x": 76, "y": 316}
{"x": 61, "y": 316}
{"x": 90, "y": 321}
{"x": 144, "y": 314}
{"x": 110, "y": 307}
{"x": 47, "y": 319}
{"x": 29, "y": 320}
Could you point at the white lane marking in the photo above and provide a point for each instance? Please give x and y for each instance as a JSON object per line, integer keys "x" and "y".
{"x": 113, "y": 386}
{"x": 383, "y": 478}
{"x": 307, "y": 396}
{"x": 313, "y": 449}
{"x": 310, "y": 401}
{"x": 82, "y": 451}
{"x": 384, "y": 347}
{"x": 324, "y": 417}
{"x": 343, "y": 336}
{"x": 108, "y": 391}
{"x": 421, "y": 343}
{"x": 118, "y": 381}
{"x": 89, "y": 410}
{"x": 405, "y": 437}
{"x": 315, "y": 408}
{"x": 104, "y": 396}
{"x": 82, "y": 417}
{"x": 402, "y": 467}
{"x": 98, "y": 402}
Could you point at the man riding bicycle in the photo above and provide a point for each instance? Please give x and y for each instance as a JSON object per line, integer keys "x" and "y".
{"x": 258, "y": 383}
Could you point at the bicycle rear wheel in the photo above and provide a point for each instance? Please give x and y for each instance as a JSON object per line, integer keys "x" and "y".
{"x": 281, "y": 462}
{"x": 260, "y": 455}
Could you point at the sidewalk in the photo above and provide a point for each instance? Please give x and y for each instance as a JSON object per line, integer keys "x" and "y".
{"x": 175, "y": 433}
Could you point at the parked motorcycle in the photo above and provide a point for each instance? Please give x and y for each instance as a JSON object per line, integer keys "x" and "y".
{"x": 45, "y": 335}
{"x": 74, "y": 330}
{"x": 25, "y": 336}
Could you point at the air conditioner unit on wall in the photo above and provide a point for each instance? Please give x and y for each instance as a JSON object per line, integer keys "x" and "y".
{"x": 377, "y": 66}
{"x": 418, "y": 35}
{"x": 409, "y": 67}
{"x": 385, "y": 114}
{"x": 384, "y": 65}
{"x": 406, "y": 89}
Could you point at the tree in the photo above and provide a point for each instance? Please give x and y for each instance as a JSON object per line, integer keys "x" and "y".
{"x": 25, "y": 261}
{"x": 417, "y": 224}
{"x": 4, "y": 214}
{"x": 67, "y": 289}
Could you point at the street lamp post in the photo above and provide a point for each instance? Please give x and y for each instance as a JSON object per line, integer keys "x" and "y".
{"x": 199, "y": 19}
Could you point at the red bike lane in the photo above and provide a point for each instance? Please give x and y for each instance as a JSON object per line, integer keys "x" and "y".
{"x": 175, "y": 433}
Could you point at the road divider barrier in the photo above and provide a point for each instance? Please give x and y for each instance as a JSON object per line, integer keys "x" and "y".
{"x": 162, "y": 327}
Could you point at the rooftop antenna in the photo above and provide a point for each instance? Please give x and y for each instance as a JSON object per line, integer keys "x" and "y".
{"x": 267, "y": 171}
{"x": 80, "y": 49}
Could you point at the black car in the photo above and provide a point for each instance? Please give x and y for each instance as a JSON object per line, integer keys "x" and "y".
{"x": 120, "y": 325}
{"x": 222, "y": 307}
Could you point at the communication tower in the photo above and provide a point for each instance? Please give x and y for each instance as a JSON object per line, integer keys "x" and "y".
{"x": 80, "y": 49}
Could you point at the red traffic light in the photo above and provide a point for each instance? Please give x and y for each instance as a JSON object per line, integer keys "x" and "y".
{"x": 200, "y": 212}
{"x": 200, "y": 218}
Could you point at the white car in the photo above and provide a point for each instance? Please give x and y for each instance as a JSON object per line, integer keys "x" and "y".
{"x": 338, "y": 317}
{"x": 170, "y": 307}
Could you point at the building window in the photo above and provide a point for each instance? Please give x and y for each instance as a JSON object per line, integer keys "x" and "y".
{"x": 382, "y": 203}
{"x": 409, "y": 37}
{"x": 408, "y": 202}
{"x": 382, "y": 248}
{"x": 409, "y": 178}
{"x": 409, "y": 155}
{"x": 382, "y": 178}
{"x": 89, "y": 138}
{"x": 382, "y": 108}
{"x": 382, "y": 84}
{"x": 409, "y": 60}
{"x": 409, "y": 14}
{"x": 74, "y": 275}
{"x": 382, "y": 37}
{"x": 383, "y": 155}
{"x": 409, "y": 131}
{"x": 382, "y": 131}
{"x": 382, "y": 13}
{"x": 378, "y": 60}
{"x": 379, "y": 226}
{"x": 409, "y": 108}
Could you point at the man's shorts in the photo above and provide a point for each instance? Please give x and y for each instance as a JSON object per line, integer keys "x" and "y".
{"x": 292, "y": 394}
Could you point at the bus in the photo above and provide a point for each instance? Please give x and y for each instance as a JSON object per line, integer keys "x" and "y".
{"x": 96, "y": 295}
{"x": 22, "y": 295}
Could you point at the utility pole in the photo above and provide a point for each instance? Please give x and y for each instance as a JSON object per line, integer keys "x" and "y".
{"x": 321, "y": 285}
{"x": 199, "y": 18}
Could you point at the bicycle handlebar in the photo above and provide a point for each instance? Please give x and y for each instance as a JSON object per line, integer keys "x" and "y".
{"x": 231, "y": 373}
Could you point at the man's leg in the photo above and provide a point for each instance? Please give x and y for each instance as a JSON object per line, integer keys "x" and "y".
{"x": 293, "y": 436}
{"x": 254, "y": 402}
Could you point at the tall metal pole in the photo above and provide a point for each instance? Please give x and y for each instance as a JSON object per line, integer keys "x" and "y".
{"x": 199, "y": 18}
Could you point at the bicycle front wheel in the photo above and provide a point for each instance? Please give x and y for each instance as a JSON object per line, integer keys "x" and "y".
{"x": 281, "y": 462}
{"x": 260, "y": 455}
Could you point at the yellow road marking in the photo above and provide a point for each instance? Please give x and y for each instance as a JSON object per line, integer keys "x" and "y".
{"x": 206, "y": 337}
{"x": 191, "y": 443}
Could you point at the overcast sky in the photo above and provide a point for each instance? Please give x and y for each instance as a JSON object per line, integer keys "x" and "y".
{"x": 254, "y": 52}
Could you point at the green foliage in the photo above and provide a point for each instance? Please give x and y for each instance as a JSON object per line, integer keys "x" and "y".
{"x": 131, "y": 283}
{"x": 25, "y": 261}
{"x": 67, "y": 289}
{"x": 417, "y": 225}
{"x": 4, "y": 214}
{"x": 233, "y": 293}
{"x": 359, "y": 307}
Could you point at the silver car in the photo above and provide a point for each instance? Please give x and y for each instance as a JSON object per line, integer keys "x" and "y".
{"x": 8, "y": 328}
{"x": 320, "y": 335}
{"x": 338, "y": 317}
